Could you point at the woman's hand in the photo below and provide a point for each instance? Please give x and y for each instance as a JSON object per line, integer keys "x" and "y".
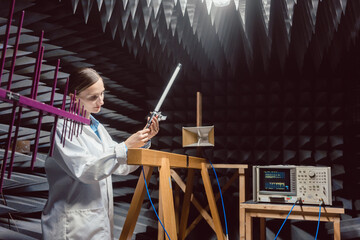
{"x": 154, "y": 127}
{"x": 138, "y": 139}
{"x": 141, "y": 137}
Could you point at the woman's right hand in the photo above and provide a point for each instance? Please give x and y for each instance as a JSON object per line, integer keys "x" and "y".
{"x": 138, "y": 139}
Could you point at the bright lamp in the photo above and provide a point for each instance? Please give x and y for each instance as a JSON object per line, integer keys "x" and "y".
{"x": 221, "y": 3}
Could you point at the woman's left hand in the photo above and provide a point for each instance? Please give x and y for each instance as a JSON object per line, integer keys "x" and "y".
{"x": 154, "y": 127}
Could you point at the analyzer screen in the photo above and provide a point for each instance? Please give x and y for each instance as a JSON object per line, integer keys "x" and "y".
{"x": 275, "y": 180}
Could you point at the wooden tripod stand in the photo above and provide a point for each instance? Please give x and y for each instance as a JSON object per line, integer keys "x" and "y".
{"x": 165, "y": 161}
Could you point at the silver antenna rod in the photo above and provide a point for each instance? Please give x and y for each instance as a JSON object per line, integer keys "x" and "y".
{"x": 162, "y": 98}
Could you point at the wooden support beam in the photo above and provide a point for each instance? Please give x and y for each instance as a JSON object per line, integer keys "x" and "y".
{"x": 167, "y": 200}
{"x": 135, "y": 205}
{"x": 212, "y": 202}
{"x": 186, "y": 203}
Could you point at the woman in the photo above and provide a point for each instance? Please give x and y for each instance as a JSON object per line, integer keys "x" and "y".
{"x": 80, "y": 203}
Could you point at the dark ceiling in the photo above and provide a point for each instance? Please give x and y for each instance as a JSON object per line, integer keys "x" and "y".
{"x": 136, "y": 45}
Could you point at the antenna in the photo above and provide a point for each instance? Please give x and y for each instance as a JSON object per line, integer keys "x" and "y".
{"x": 74, "y": 115}
{"x": 156, "y": 112}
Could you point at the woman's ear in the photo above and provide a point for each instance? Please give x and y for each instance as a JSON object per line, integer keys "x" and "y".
{"x": 71, "y": 95}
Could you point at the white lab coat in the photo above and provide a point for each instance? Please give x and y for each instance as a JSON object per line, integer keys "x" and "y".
{"x": 80, "y": 202}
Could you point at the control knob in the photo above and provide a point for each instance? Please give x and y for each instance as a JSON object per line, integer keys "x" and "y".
{"x": 311, "y": 174}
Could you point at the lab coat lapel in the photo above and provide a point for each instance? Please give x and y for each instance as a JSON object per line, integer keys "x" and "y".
{"x": 105, "y": 140}
{"x": 91, "y": 133}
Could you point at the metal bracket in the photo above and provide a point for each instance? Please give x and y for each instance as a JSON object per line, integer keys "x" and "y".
{"x": 13, "y": 96}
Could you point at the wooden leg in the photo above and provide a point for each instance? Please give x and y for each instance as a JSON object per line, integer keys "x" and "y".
{"x": 241, "y": 199}
{"x": 167, "y": 199}
{"x": 161, "y": 232}
{"x": 186, "y": 204}
{"x": 337, "y": 232}
{"x": 177, "y": 206}
{"x": 211, "y": 200}
{"x": 262, "y": 229}
{"x": 248, "y": 227}
{"x": 242, "y": 223}
{"x": 135, "y": 205}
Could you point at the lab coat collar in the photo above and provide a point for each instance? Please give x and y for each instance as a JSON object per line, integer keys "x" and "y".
{"x": 94, "y": 124}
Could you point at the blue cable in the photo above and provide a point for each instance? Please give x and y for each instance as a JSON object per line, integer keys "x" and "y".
{"x": 147, "y": 190}
{"x": 285, "y": 220}
{"x": 317, "y": 230}
{"x": 222, "y": 200}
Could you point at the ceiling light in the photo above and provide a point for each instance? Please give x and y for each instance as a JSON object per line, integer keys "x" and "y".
{"x": 221, "y": 3}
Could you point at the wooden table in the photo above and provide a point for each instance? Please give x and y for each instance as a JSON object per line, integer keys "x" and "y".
{"x": 280, "y": 211}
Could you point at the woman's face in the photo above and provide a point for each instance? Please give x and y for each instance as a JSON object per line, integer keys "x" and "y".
{"x": 92, "y": 98}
